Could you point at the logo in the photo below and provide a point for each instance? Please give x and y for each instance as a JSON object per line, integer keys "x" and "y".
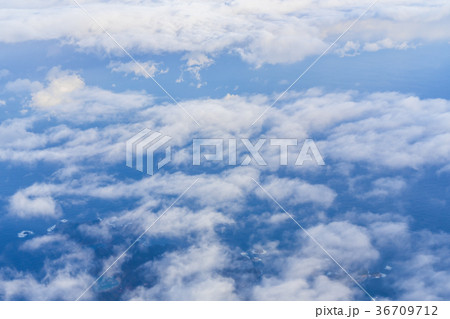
{"x": 146, "y": 143}
{"x": 308, "y": 151}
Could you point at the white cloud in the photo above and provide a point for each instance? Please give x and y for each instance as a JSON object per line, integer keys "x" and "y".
{"x": 419, "y": 257}
{"x": 261, "y": 32}
{"x": 66, "y": 96}
{"x": 302, "y": 279}
{"x": 15, "y": 134}
{"x": 61, "y": 286}
{"x": 195, "y": 62}
{"x": 192, "y": 274}
{"x": 63, "y": 277}
{"x": 388, "y": 186}
{"x": 178, "y": 223}
{"x": 391, "y": 234}
{"x": 42, "y": 241}
{"x": 350, "y": 244}
{"x": 396, "y": 131}
{"x": 282, "y": 41}
{"x": 278, "y": 218}
{"x": 385, "y": 44}
{"x": 426, "y": 277}
{"x": 23, "y": 85}
{"x": 151, "y": 68}
{"x": 23, "y": 205}
{"x": 58, "y": 91}
{"x": 350, "y": 48}
{"x": 293, "y": 191}
{"x": 100, "y": 231}
{"x": 305, "y": 274}
{"x": 382, "y": 129}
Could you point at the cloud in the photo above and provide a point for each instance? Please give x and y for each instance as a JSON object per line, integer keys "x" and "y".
{"x": 225, "y": 213}
{"x": 293, "y": 191}
{"x": 350, "y": 48}
{"x": 360, "y": 242}
{"x": 388, "y": 186}
{"x": 15, "y": 134}
{"x": 263, "y": 32}
{"x": 282, "y": 41}
{"x": 23, "y": 85}
{"x": 100, "y": 231}
{"x": 66, "y": 96}
{"x": 385, "y": 129}
{"x": 278, "y": 218}
{"x": 63, "y": 277}
{"x": 195, "y": 62}
{"x": 349, "y": 243}
{"x": 61, "y": 286}
{"x": 302, "y": 280}
{"x": 385, "y": 44}
{"x": 192, "y": 274}
{"x": 426, "y": 275}
{"x": 308, "y": 274}
{"x": 42, "y": 241}
{"x": 178, "y": 223}
{"x": 418, "y": 258}
{"x": 422, "y": 265}
{"x": 58, "y": 91}
{"x": 23, "y": 205}
{"x": 151, "y": 68}
{"x": 397, "y": 131}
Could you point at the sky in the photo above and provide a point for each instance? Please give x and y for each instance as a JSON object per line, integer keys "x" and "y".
{"x": 80, "y": 78}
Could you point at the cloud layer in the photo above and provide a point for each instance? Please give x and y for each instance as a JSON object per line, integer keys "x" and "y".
{"x": 270, "y": 32}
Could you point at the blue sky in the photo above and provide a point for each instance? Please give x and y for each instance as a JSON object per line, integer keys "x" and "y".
{"x": 377, "y": 105}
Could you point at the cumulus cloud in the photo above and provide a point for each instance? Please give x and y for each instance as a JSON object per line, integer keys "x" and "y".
{"x": 193, "y": 274}
{"x": 67, "y": 96}
{"x": 389, "y": 131}
{"x": 61, "y": 286}
{"x": 58, "y": 91}
{"x": 426, "y": 272}
{"x": 64, "y": 276}
{"x": 267, "y": 32}
{"x": 25, "y": 206}
{"x": 419, "y": 261}
{"x": 294, "y": 191}
{"x": 23, "y": 85}
{"x": 385, "y": 129}
{"x": 349, "y": 243}
{"x": 388, "y": 186}
{"x": 303, "y": 275}
{"x": 179, "y": 223}
{"x": 15, "y": 134}
{"x": 301, "y": 279}
{"x": 402, "y": 131}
